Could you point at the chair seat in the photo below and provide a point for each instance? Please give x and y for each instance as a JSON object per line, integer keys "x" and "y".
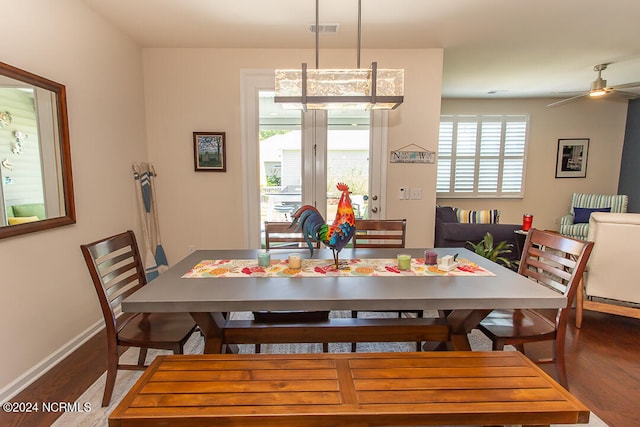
{"x": 156, "y": 330}
{"x": 517, "y": 323}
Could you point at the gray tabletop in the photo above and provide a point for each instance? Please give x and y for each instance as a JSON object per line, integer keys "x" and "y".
{"x": 171, "y": 293}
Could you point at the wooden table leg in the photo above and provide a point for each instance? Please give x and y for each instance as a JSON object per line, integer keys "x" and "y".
{"x": 211, "y": 325}
{"x": 461, "y": 322}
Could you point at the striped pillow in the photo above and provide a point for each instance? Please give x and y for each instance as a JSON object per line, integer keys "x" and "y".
{"x": 487, "y": 216}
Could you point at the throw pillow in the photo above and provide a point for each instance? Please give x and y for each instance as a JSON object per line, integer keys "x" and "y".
{"x": 583, "y": 214}
{"x": 487, "y": 216}
{"x": 15, "y": 220}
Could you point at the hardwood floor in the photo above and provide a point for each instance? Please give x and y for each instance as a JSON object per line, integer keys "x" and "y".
{"x": 603, "y": 365}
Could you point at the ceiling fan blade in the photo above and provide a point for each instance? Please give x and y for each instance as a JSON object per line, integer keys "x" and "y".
{"x": 625, "y": 95}
{"x": 626, "y": 85}
{"x": 567, "y": 100}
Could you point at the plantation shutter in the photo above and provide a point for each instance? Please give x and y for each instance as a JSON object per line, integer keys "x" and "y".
{"x": 481, "y": 156}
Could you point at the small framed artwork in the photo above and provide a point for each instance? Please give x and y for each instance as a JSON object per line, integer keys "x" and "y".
{"x": 209, "y": 150}
{"x": 571, "y": 160}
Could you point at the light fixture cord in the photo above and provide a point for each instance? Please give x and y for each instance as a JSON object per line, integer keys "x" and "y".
{"x": 359, "y": 31}
{"x": 317, "y": 34}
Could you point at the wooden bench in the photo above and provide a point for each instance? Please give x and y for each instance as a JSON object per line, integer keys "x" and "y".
{"x": 347, "y": 389}
{"x": 336, "y": 330}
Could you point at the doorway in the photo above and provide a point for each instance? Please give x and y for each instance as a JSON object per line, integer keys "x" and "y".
{"x": 297, "y": 158}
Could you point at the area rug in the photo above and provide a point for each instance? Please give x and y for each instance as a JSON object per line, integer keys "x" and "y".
{"x": 98, "y": 416}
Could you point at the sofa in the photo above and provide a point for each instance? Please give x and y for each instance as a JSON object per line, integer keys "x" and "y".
{"x": 451, "y": 233}
{"x": 611, "y": 284}
{"x": 576, "y": 223}
{"x": 19, "y": 214}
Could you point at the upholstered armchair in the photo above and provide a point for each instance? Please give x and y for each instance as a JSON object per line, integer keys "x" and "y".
{"x": 576, "y": 223}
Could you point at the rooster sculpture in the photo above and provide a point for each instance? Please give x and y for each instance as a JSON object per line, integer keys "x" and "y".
{"x": 335, "y": 236}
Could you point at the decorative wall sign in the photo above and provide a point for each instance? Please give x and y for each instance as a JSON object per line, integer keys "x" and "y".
{"x": 571, "y": 160}
{"x": 5, "y": 118}
{"x": 6, "y": 163}
{"x": 422, "y": 155}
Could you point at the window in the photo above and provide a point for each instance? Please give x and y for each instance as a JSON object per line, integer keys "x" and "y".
{"x": 482, "y": 156}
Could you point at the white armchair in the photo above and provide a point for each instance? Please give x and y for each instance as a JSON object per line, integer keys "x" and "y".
{"x": 611, "y": 283}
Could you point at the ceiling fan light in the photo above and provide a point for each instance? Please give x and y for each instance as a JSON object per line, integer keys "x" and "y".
{"x": 598, "y": 92}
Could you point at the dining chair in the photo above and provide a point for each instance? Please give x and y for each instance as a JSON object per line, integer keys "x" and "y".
{"x": 117, "y": 271}
{"x": 554, "y": 261}
{"x": 280, "y": 236}
{"x": 381, "y": 233}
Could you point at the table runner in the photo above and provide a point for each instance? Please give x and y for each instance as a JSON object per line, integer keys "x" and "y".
{"x": 325, "y": 267}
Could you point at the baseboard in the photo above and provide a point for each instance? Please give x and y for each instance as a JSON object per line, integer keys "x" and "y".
{"x": 37, "y": 371}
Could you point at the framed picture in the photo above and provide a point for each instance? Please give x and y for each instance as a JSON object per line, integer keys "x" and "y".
{"x": 571, "y": 160}
{"x": 209, "y": 151}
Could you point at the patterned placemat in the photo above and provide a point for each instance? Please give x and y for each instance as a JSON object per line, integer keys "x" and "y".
{"x": 325, "y": 267}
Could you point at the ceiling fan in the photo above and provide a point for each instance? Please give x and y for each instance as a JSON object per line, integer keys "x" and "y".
{"x": 599, "y": 88}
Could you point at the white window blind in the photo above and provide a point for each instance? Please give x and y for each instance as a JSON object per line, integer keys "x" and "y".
{"x": 482, "y": 156}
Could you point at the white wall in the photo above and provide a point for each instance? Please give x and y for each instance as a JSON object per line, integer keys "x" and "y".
{"x": 546, "y": 197}
{"x": 47, "y": 295}
{"x": 189, "y": 90}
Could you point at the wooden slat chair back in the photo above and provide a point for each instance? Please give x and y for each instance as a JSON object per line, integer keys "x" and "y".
{"x": 381, "y": 233}
{"x": 117, "y": 271}
{"x": 281, "y": 236}
{"x": 554, "y": 261}
{"x": 373, "y": 233}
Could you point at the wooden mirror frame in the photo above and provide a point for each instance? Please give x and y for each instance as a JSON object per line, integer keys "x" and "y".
{"x": 65, "y": 177}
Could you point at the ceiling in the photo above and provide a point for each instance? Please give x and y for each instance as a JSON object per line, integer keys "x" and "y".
{"x": 492, "y": 48}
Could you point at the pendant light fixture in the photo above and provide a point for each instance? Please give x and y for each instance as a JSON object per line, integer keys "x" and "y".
{"x": 340, "y": 89}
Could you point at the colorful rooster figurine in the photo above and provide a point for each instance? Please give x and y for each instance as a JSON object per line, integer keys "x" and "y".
{"x": 335, "y": 236}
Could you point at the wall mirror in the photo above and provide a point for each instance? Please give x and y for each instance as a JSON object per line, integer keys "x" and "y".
{"x": 36, "y": 187}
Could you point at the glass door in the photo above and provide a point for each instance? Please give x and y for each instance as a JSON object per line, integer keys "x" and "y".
{"x": 280, "y": 160}
{"x": 300, "y": 157}
{"x": 348, "y": 154}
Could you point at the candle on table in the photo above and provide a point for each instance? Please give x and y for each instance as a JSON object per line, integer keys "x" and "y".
{"x": 264, "y": 259}
{"x": 295, "y": 261}
{"x": 404, "y": 262}
{"x": 430, "y": 257}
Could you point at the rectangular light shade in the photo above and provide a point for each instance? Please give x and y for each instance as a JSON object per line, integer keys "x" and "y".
{"x": 340, "y": 88}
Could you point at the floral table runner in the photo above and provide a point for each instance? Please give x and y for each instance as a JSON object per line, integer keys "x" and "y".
{"x": 325, "y": 267}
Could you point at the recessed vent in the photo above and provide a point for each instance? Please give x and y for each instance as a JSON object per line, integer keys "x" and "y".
{"x": 325, "y": 28}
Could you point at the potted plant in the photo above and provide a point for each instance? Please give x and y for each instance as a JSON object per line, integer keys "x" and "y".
{"x": 486, "y": 249}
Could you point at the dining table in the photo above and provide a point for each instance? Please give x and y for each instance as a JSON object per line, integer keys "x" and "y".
{"x": 466, "y": 298}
